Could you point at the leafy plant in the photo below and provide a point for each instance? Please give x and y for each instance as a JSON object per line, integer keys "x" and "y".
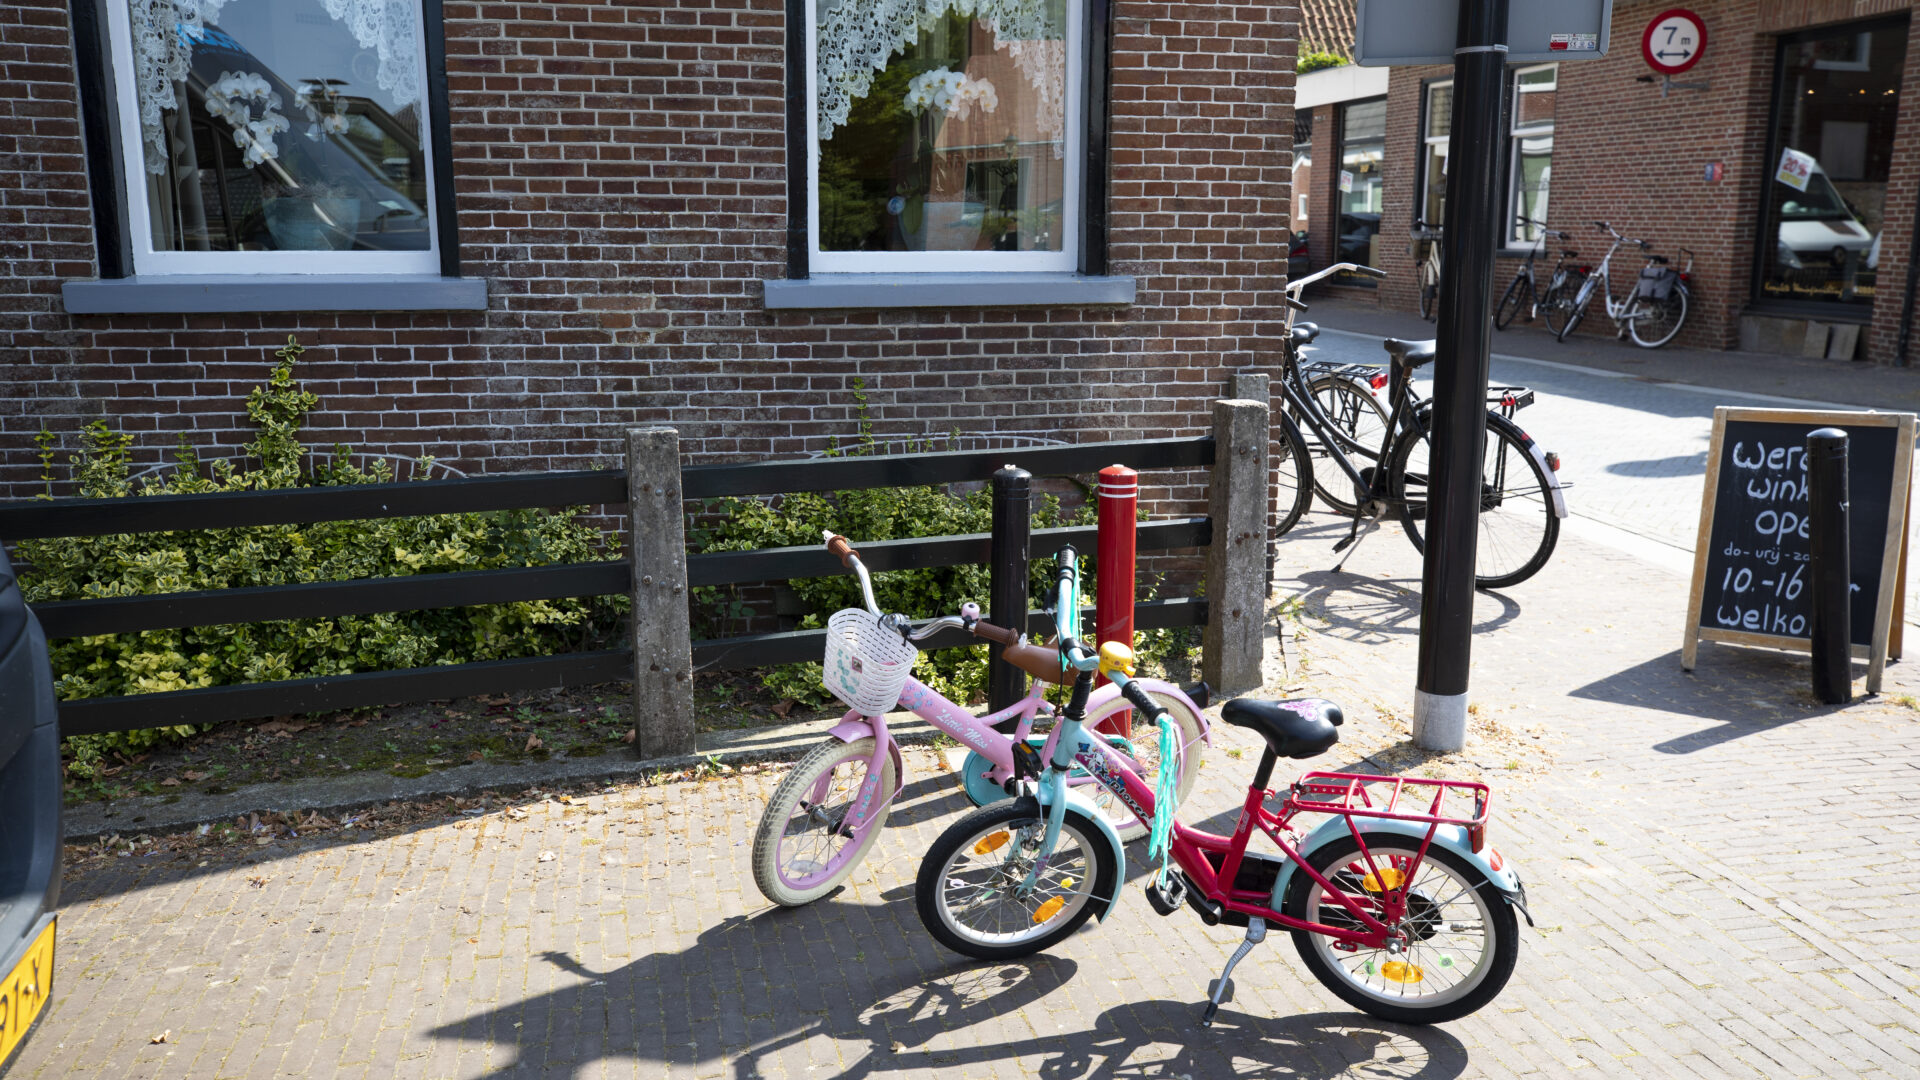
{"x": 1315, "y": 61}
{"x": 161, "y": 660}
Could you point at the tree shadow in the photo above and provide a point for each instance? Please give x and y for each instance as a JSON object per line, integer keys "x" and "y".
{"x": 1748, "y": 691}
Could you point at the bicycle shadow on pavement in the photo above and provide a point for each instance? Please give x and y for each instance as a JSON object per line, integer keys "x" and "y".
{"x": 1373, "y": 610}
{"x": 1748, "y": 691}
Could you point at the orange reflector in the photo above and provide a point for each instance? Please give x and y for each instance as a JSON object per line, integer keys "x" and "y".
{"x": 1049, "y": 909}
{"x": 1393, "y": 878}
{"x": 1401, "y": 972}
{"x": 1067, "y": 883}
{"x": 991, "y": 843}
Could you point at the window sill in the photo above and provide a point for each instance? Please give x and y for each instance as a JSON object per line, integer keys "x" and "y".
{"x": 946, "y": 290}
{"x": 196, "y": 294}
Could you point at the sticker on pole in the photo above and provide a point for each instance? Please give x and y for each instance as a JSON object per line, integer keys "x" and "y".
{"x": 1675, "y": 40}
{"x": 1574, "y": 43}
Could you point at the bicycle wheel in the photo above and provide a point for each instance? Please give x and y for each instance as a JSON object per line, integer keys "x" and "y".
{"x": 1518, "y": 526}
{"x": 799, "y": 852}
{"x": 1576, "y": 310}
{"x": 1358, "y": 423}
{"x": 1662, "y": 319}
{"x": 1519, "y": 294}
{"x": 1461, "y": 936}
{"x": 968, "y": 890}
{"x": 1146, "y": 758}
{"x": 1557, "y": 304}
{"x": 1293, "y": 480}
{"x": 1429, "y": 291}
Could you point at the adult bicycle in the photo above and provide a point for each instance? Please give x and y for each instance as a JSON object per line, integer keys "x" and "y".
{"x": 1524, "y": 294}
{"x": 1394, "y": 899}
{"x": 827, "y": 813}
{"x": 1370, "y": 473}
{"x": 1654, "y": 306}
{"x": 1429, "y": 272}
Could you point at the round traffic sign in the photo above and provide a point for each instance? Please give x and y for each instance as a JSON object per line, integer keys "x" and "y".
{"x": 1675, "y": 40}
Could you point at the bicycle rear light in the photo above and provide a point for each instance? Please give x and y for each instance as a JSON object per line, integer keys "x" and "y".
{"x": 1553, "y": 461}
{"x": 1377, "y": 381}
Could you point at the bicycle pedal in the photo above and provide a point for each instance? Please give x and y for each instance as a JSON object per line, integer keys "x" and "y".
{"x": 1168, "y": 900}
{"x": 1216, "y": 996}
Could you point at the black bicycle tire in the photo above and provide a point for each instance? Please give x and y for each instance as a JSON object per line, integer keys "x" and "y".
{"x": 1574, "y": 316}
{"x": 1510, "y": 303}
{"x": 1498, "y": 427}
{"x": 1429, "y": 298}
{"x": 1351, "y": 445}
{"x": 927, "y": 882}
{"x": 1293, "y": 445}
{"x": 1558, "y": 301}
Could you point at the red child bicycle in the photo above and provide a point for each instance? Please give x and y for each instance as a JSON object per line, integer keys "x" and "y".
{"x": 1395, "y": 901}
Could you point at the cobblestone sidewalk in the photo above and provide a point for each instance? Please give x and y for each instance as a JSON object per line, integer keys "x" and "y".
{"x": 1717, "y": 867}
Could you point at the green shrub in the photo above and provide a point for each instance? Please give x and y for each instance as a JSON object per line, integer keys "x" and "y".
{"x": 871, "y": 515}
{"x": 162, "y": 660}
{"x": 1314, "y": 61}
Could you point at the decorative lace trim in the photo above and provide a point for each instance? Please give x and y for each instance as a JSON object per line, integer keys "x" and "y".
{"x": 163, "y": 32}
{"x": 856, "y": 38}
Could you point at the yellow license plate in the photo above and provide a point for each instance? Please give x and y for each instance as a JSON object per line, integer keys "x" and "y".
{"x": 25, "y": 993}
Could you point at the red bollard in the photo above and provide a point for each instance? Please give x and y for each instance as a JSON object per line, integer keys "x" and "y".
{"x": 1113, "y": 606}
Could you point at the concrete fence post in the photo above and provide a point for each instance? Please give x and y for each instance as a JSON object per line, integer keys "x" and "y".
{"x": 662, "y": 634}
{"x": 1235, "y": 640}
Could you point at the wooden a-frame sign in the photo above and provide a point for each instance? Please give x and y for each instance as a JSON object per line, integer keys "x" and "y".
{"x": 1751, "y": 562}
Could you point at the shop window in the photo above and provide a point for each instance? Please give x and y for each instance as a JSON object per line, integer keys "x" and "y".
{"x": 1302, "y": 223}
{"x": 282, "y": 137}
{"x": 1835, "y": 102}
{"x": 1529, "y": 153}
{"x": 1361, "y": 184}
{"x": 1433, "y": 162}
{"x": 946, "y": 136}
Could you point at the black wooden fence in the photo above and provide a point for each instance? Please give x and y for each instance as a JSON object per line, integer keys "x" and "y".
{"x": 32, "y": 519}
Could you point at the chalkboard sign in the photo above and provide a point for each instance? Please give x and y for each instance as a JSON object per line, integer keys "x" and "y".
{"x": 1752, "y": 569}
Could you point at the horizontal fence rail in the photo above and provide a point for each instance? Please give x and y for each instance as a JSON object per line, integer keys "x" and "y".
{"x": 944, "y": 467}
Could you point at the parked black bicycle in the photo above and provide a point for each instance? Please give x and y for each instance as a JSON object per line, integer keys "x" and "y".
{"x": 1525, "y": 295}
{"x": 1521, "y": 500}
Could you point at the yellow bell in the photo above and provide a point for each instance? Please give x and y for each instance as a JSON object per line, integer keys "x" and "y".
{"x": 991, "y": 843}
{"x": 1116, "y": 656}
{"x": 1049, "y": 909}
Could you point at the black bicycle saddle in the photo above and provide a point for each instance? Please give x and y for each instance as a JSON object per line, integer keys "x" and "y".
{"x": 1304, "y": 332}
{"x": 1409, "y": 355}
{"x": 1300, "y": 728}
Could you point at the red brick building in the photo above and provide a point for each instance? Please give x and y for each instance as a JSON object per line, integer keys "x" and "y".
{"x": 1819, "y": 266}
{"x": 507, "y": 231}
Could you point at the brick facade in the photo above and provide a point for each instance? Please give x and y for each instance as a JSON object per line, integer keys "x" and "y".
{"x": 621, "y": 181}
{"x": 1625, "y": 154}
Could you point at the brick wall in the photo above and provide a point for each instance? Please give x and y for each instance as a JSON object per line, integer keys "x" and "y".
{"x": 1625, "y": 154}
{"x": 621, "y": 184}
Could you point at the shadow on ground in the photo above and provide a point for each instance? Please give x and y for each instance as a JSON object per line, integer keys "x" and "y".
{"x": 741, "y": 994}
{"x": 1767, "y": 688}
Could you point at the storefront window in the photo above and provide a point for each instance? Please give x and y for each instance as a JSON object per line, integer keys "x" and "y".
{"x": 285, "y": 137}
{"x": 1363, "y": 145}
{"x": 945, "y": 127}
{"x": 1835, "y": 103}
{"x": 1433, "y": 169}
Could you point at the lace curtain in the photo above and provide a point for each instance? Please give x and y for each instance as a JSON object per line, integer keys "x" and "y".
{"x": 856, "y": 37}
{"x": 164, "y": 30}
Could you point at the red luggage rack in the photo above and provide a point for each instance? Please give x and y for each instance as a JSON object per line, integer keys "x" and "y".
{"x": 1354, "y": 795}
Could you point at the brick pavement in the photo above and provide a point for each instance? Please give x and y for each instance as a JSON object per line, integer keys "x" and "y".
{"x": 1716, "y": 866}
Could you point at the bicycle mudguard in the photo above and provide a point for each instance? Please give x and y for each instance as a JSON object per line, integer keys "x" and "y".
{"x": 1451, "y": 837}
{"x": 1079, "y": 802}
{"x": 852, "y": 728}
{"x": 1107, "y": 693}
{"x": 982, "y": 790}
{"x": 1553, "y": 479}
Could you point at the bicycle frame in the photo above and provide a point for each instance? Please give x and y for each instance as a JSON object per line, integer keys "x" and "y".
{"x": 1625, "y": 310}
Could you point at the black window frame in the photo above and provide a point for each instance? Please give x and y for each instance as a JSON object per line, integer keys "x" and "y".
{"x": 107, "y": 172}
{"x": 1091, "y": 260}
{"x": 1757, "y": 302}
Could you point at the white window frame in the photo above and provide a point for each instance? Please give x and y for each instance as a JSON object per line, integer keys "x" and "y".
{"x": 149, "y": 262}
{"x": 1428, "y": 141}
{"x": 1511, "y": 234}
{"x": 1067, "y": 259}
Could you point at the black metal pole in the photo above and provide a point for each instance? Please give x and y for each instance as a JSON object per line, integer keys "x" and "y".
{"x": 1007, "y": 567}
{"x": 1460, "y": 375}
{"x": 1832, "y": 582}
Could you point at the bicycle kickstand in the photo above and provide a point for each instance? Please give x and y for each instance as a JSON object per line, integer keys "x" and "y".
{"x": 1220, "y": 991}
{"x": 1354, "y": 536}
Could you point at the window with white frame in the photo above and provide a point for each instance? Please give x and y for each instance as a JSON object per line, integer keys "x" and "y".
{"x": 1530, "y": 153}
{"x": 274, "y": 136}
{"x": 946, "y": 135}
{"x": 1433, "y": 161}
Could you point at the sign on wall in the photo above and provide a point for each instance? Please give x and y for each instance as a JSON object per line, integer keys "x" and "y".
{"x": 1796, "y": 169}
{"x": 1674, "y": 41}
{"x": 1752, "y": 571}
{"x": 1396, "y": 32}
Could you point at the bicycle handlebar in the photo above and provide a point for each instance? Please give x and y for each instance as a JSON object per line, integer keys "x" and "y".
{"x": 1294, "y": 287}
{"x": 839, "y": 546}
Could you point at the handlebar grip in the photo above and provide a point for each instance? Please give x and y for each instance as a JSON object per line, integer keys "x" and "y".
{"x": 1601, "y": 225}
{"x": 1371, "y": 272}
{"x": 1136, "y": 695}
{"x": 999, "y": 635}
{"x": 1295, "y": 304}
{"x": 1645, "y": 245}
{"x": 841, "y": 549}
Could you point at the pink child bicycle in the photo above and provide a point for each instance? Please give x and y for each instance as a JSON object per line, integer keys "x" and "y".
{"x": 827, "y": 813}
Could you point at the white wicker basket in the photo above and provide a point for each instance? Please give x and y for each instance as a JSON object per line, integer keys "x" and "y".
{"x": 866, "y": 664}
